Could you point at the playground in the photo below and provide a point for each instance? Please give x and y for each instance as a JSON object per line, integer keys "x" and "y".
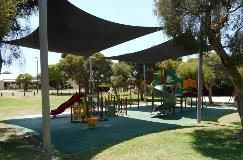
{"x": 70, "y": 137}
{"x": 148, "y": 104}
{"x": 81, "y": 123}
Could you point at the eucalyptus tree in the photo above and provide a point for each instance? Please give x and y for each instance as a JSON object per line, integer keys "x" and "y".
{"x": 24, "y": 79}
{"x": 188, "y": 70}
{"x": 102, "y": 70}
{"x": 138, "y": 75}
{"x": 218, "y": 22}
{"x": 14, "y": 22}
{"x": 57, "y": 77}
{"x": 76, "y": 67}
{"x": 121, "y": 74}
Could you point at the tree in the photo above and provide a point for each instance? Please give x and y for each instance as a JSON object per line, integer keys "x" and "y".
{"x": 57, "y": 77}
{"x": 76, "y": 68}
{"x": 121, "y": 73}
{"x": 117, "y": 82}
{"x": 138, "y": 74}
{"x": 102, "y": 69}
{"x": 188, "y": 70}
{"x": 218, "y": 21}
{"x": 241, "y": 71}
{"x": 24, "y": 79}
{"x": 12, "y": 14}
{"x": 222, "y": 77}
{"x": 170, "y": 63}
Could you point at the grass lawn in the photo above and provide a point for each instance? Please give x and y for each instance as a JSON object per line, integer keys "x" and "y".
{"x": 209, "y": 140}
{"x": 25, "y": 105}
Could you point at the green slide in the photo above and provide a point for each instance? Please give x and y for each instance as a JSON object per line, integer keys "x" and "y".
{"x": 164, "y": 90}
{"x": 169, "y": 101}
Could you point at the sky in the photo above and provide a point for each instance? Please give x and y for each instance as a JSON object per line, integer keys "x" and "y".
{"x": 129, "y": 12}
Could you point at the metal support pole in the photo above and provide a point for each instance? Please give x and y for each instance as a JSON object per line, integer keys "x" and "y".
{"x": 199, "y": 102}
{"x": 130, "y": 101}
{"x": 144, "y": 79}
{"x": 90, "y": 75}
{"x": 37, "y": 80}
{"x": 90, "y": 82}
{"x": 44, "y": 77}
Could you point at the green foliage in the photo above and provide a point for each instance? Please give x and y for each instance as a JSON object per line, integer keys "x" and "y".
{"x": 208, "y": 75}
{"x": 218, "y": 23}
{"x": 188, "y": 70}
{"x": 102, "y": 68}
{"x": 180, "y": 16}
{"x": 121, "y": 73}
{"x": 138, "y": 75}
{"x": 10, "y": 11}
{"x": 117, "y": 82}
{"x": 57, "y": 78}
{"x": 213, "y": 61}
{"x": 7, "y": 14}
{"x": 169, "y": 64}
{"x": 241, "y": 71}
{"x": 25, "y": 79}
{"x": 76, "y": 68}
{"x": 13, "y": 14}
{"x": 122, "y": 68}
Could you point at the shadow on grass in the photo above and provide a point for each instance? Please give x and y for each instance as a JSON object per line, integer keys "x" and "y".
{"x": 72, "y": 138}
{"x": 91, "y": 153}
{"x": 218, "y": 144}
{"x": 19, "y": 147}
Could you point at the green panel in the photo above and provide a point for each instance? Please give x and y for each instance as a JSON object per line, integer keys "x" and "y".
{"x": 168, "y": 99}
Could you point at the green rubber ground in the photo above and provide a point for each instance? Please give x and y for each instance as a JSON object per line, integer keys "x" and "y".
{"x": 71, "y": 138}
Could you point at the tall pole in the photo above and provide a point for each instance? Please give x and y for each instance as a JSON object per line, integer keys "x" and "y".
{"x": 90, "y": 83}
{"x": 144, "y": 79}
{"x": 43, "y": 39}
{"x": 37, "y": 79}
{"x": 199, "y": 101}
{"x": 90, "y": 75}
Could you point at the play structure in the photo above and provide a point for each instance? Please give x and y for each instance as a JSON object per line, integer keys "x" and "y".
{"x": 167, "y": 86}
{"x": 90, "y": 109}
{"x": 75, "y": 98}
{"x": 172, "y": 90}
{"x": 106, "y": 105}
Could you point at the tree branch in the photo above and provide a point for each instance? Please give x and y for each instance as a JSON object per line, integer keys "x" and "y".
{"x": 241, "y": 5}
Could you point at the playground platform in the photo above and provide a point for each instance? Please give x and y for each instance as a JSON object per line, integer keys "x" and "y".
{"x": 74, "y": 137}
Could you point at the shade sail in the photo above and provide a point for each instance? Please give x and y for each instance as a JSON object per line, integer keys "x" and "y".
{"x": 180, "y": 46}
{"x": 71, "y": 30}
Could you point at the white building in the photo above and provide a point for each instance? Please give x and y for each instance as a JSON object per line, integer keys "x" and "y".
{"x": 7, "y": 79}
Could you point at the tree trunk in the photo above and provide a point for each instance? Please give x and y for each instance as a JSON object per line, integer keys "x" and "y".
{"x": 141, "y": 94}
{"x": 1, "y": 61}
{"x": 79, "y": 88}
{"x": 86, "y": 87}
{"x": 210, "y": 93}
{"x": 215, "y": 42}
{"x": 115, "y": 90}
{"x": 239, "y": 101}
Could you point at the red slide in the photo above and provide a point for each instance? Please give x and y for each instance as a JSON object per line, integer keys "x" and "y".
{"x": 75, "y": 98}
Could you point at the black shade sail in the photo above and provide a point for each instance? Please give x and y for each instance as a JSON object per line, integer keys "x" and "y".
{"x": 71, "y": 30}
{"x": 180, "y": 46}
